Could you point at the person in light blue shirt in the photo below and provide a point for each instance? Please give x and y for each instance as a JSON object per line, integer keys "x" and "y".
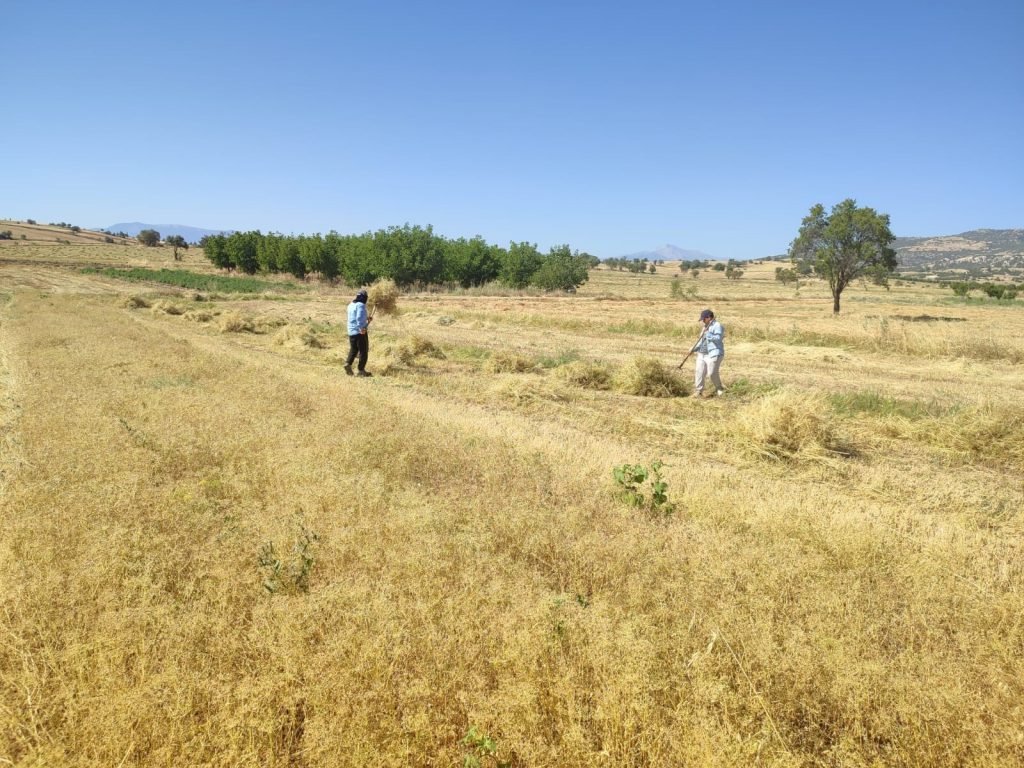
{"x": 358, "y": 338}
{"x": 710, "y": 349}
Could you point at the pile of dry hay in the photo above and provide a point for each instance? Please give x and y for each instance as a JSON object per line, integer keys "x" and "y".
{"x": 299, "y": 336}
{"x": 791, "y": 426}
{"x": 135, "y": 302}
{"x": 503, "y": 361}
{"x": 383, "y": 297}
{"x": 167, "y": 307}
{"x": 649, "y": 378}
{"x": 586, "y": 375}
{"x": 404, "y": 354}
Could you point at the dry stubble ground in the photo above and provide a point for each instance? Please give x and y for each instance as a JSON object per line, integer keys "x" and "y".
{"x": 840, "y": 583}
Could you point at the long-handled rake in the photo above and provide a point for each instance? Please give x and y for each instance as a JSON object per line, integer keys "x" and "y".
{"x": 693, "y": 348}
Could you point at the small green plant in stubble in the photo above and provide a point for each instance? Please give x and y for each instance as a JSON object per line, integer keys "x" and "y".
{"x": 483, "y": 750}
{"x": 644, "y": 487}
{"x": 290, "y": 575}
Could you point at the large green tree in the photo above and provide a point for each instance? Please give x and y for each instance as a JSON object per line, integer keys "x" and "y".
{"x": 471, "y": 262}
{"x": 519, "y": 263}
{"x": 149, "y": 237}
{"x": 561, "y": 270}
{"x": 848, "y": 243}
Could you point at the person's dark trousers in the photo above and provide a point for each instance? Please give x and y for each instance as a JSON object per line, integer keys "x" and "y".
{"x": 359, "y": 344}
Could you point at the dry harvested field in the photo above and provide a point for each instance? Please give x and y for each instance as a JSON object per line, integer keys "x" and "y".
{"x": 218, "y": 549}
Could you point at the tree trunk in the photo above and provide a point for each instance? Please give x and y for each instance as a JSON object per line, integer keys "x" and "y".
{"x": 835, "y": 303}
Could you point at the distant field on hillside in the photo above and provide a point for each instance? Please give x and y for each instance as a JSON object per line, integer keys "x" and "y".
{"x": 220, "y": 549}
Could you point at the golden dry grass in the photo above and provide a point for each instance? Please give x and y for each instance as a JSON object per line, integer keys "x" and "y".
{"x": 647, "y": 377}
{"x": 219, "y": 550}
{"x": 791, "y": 426}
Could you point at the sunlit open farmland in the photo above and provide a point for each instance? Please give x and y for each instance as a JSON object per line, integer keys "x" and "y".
{"x": 218, "y": 549}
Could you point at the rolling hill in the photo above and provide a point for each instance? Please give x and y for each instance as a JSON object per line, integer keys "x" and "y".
{"x": 979, "y": 252}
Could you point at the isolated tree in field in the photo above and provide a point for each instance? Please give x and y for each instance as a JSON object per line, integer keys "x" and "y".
{"x": 176, "y": 242}
{"x": 786, "y": 276}
{"x": 149, "y": 237}
{"x": 848, "y": 243}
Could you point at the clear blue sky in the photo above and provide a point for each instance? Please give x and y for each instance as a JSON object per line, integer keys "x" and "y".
{"x": 614, "y": 127}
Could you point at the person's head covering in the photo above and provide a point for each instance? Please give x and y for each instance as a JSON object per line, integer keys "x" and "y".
{"x": 706, "y": 314}
{"x": 361, "y": 297}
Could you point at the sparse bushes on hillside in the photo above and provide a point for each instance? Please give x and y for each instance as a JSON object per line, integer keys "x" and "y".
{"x": 960, "y": 288}
{"x": 992, "y": 290}
{"x": 6, "y": 235}
{"x": 999, "y": 292}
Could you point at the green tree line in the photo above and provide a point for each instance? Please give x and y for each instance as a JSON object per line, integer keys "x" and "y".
{"x": 409, "y": 255}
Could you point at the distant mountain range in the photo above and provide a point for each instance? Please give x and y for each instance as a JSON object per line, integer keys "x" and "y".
{"x": 191, "y": 234}
{"x": 669, "y": 253}
{"x": 975, "y": 252}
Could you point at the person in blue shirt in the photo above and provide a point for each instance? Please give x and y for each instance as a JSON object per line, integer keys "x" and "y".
{"x": 710, "y": 349}
{"x": 358, "y": 339}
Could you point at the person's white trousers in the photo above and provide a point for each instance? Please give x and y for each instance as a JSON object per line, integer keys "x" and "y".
{"x": 707, "y": 367}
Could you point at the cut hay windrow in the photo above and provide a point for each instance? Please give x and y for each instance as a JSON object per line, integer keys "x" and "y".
{"x": 298, "y": 336}
{"x": 233, "y": 322}
{"x": 168, "y": 307}
{"x": 503, "y": 361}
{"x": 135, "y": 302}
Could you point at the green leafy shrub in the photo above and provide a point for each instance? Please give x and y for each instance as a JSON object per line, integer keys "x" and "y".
{"x": 644, "y": 488}
{"x": 960, "y": 288}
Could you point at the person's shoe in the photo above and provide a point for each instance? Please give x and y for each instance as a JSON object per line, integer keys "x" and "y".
{"x": 348, "y": 368}
{"x": 719, "y": 393}
{"x": 697, "y": 395}
{"x": 363, "y": 373}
